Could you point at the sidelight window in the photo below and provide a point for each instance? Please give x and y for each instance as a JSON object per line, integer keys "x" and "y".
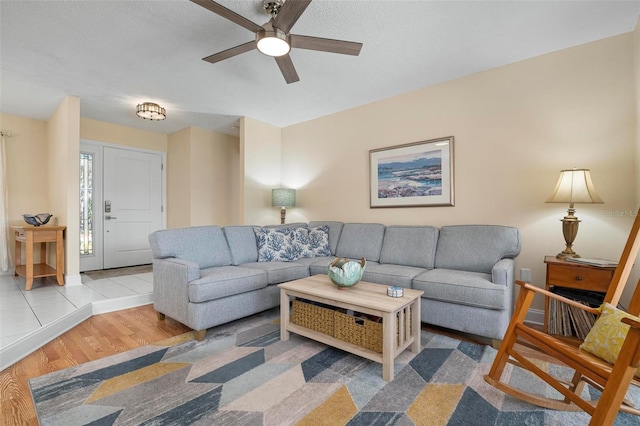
{"x": 86, "y": 204}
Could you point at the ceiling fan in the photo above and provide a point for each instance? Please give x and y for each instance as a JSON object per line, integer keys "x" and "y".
{"x": 274, "y": 37}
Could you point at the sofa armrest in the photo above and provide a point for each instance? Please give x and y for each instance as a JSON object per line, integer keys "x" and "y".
{"x": 503, "y": 271}
{"x": 171, "y": 278}
{"x": 188, "y": 270}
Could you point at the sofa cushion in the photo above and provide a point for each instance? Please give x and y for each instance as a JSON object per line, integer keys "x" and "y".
{"x": 335, "y": 229}
{"x": 461, "y": 287}
{"x": 242, "y": 243}
{"x": 204, "y": 245}
{"x": 475, "y": 248}
{"x": 215, "y": 283}
{"x": 410, "y": 246}
{"x": 390, "y": 274}
{"x": 317, "y": 265}
{"x": 279, "y": 272}
{"x": 359, "y": 240}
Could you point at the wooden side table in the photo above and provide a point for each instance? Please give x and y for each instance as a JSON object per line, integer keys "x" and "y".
{"x": 30, "y": 235}
{"x": 561, "y": 273}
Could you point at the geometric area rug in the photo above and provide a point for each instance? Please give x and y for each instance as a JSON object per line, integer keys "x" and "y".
{"x": 242, "y": 374}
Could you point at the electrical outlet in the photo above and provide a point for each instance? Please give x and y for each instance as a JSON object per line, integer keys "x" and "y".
{"x": 525, "y": 275}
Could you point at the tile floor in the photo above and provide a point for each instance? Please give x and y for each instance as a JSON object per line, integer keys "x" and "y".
{"x": 24, "y": 312}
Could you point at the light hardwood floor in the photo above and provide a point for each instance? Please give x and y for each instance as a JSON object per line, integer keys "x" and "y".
{"x": 95, "y": 338}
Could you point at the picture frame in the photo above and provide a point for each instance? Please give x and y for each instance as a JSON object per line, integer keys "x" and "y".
{"x": 418, "y": 174}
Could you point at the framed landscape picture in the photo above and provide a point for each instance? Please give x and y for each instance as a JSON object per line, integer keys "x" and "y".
{"x": 412, "y": 175}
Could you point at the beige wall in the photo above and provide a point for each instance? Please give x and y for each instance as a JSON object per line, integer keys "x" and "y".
{"x": 63, "y": 141}
{"x": 636, "y": 56}
{"x": 27, "y": 170}
{"x": 121, "y": 135}
{"x": 179, "y": 178}
{"x": 635, "y": 276}
{"x": 27, "y": 166}
{"x": 214, "y": 158}
{"x": 202, "y": 175}
{"x": 260, "y": 153}
{"x": 515, "y": 128}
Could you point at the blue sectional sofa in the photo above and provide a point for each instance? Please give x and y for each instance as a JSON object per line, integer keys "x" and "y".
{"x": 206, "y": 276}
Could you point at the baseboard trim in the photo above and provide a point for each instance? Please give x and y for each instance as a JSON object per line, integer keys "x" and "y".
{"x": 72, "y": 280}
{"x": 19, "y": 349}
{"x": 112, "y": 305}
{"x": 535, "y": 316}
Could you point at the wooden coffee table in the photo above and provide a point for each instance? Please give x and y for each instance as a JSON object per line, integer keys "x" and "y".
{"x": 364, "y": 297}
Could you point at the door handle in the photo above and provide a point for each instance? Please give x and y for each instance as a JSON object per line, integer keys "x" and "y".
{"x": 107, "y": 217}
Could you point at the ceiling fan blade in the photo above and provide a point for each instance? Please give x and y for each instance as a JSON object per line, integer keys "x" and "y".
{"x": 228, "y": 14}
{"x": 326, "y": 45}
{"x": 225, "y": 54}
{"x": 289, "y": 14}
{"x": 288, "y": 70}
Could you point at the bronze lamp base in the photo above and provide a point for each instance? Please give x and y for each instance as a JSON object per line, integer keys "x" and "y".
{"x": 570, "y": 231}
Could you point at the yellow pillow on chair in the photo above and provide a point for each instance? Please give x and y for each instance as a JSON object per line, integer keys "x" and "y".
{"x": 607, "y": 335}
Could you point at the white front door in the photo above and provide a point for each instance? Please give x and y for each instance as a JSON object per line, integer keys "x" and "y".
{"x": 128, "y": 183}
{"x": 132, "y": 205}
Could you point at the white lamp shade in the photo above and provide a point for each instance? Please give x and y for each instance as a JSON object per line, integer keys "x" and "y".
{"x": 283, "y": 197}
{"x": 575, "y": 187}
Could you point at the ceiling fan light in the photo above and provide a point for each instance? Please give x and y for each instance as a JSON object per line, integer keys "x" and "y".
{"x": 151, "y": 111}
{"x": 273, "y": 43}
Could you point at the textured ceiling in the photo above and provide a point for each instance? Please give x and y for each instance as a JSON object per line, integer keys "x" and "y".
{"x": 116, "y": 54}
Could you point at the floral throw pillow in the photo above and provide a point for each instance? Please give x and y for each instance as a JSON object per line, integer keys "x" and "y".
{"x": 277, "y": 244}
{"x": 319, "y": 241}
{"x": 302, "y": 241}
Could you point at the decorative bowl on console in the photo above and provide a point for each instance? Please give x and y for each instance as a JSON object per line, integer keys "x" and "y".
{"x": 37, "y": 219}
{"x": 346, "y": 273}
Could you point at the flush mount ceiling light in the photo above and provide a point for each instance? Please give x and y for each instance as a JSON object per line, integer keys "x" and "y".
{"x": 151, "y": 111}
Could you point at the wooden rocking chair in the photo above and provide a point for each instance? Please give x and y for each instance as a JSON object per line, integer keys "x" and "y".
{"x": 613, "y": 380}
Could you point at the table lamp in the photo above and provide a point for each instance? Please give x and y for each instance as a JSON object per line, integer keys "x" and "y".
{"x": 574, "y": 187}
{"x": 283, "y": 198}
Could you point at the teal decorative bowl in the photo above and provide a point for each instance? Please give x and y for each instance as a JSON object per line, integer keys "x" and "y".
{"x": 346, "y": 273}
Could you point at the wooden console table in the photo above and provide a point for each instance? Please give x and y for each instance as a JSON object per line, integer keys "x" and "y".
{"x": 30, "y": 235}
